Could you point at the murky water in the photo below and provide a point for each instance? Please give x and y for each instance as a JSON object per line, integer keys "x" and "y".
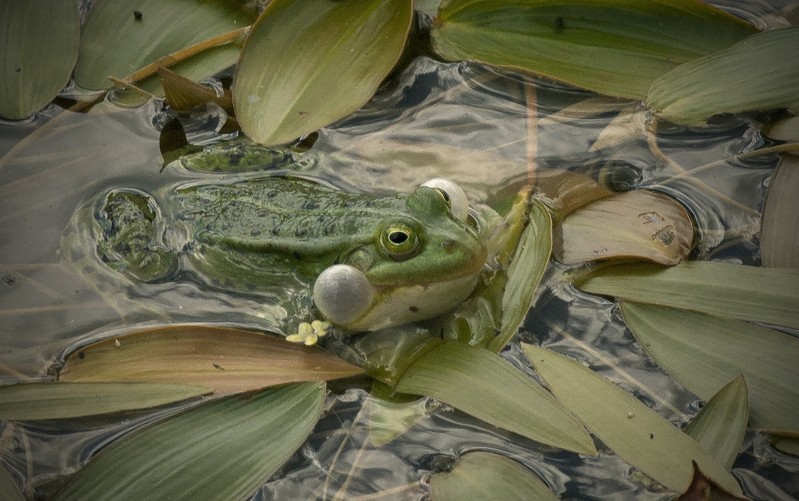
{"x": 486, "y": 130}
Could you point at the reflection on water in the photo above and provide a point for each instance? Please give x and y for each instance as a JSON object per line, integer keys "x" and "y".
{"x": 485, "y": 130}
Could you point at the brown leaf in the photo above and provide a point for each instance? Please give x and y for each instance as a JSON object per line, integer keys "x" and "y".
{"x": 183, "y": 94}
{"x": 637, "y": 224}
{"x": 224, "y": 359}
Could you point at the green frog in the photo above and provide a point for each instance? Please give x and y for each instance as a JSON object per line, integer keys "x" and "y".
{"x": 368, "y": 261}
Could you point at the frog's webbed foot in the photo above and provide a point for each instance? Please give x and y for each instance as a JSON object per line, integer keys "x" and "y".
{"x": 129, "y": 236}
{"x": 309, "y": 333}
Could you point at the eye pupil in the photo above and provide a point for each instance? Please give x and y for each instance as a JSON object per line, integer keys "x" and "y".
{"x": 398, "y": 237}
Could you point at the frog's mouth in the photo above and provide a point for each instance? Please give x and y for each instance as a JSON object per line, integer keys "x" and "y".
{"x": 346, "y": 298}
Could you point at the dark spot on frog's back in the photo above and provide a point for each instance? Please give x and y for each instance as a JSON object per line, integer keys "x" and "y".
{"x": 449, "y": 245}
{"x": 414, "y": 309}
{"x": 137, "y": 15}
{"x": 255, "y": 233}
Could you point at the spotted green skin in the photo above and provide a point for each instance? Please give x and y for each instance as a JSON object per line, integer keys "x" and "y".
{"x": 266, "y": 232}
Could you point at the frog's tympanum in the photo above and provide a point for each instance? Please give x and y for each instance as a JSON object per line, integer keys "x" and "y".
{"x": 371, "y": 261}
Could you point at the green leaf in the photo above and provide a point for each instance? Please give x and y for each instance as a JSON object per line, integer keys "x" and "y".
{"x": 483, "y": 384}
{"x": 120, "y": 37}
{"x": 39, "y": 50}
{"x": 9, "y": 487}
{"x": 637, "y": 224}
{"x": 223, "y": 449}
{"x": 704, "y": 353}
{"x": 307, "y": 63}
{"x": 779, "y": 240}
{"x": 37, "y": 401}
{"x": 221, "y": 358}
{"x": 529, "y": 262}
{"x": 758, "y": 73}
{"x": 720, "y": 425}
{"x": 769, "y": 295}
{"x": 583, "y": 42}
{"x": 639, "y": 435}
{"x": 485, "y": 475}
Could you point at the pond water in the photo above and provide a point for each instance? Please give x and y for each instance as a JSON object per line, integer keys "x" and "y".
{"x": 490, "y": 131}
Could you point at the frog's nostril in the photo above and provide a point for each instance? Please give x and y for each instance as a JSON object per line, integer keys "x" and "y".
{"x": 449, "y": 245}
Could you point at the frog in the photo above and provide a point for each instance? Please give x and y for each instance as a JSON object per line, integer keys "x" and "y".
{"x": 369, "y": 261}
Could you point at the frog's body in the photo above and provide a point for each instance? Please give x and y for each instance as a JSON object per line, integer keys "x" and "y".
{"x": 374, "y": 261}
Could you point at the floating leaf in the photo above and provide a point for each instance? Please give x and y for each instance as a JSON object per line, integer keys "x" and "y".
{"x": 632, "y": 430}
{"x": 221, "y": 358}
{"x": 307, "y": 63}
{"x": 638, "y": 224}
{"x": 36, "y": 401}
{"x": 223, "y": 449}
{"x": 483, "y": 384}
{"x": 758, "y": 73}
{"x": 704, "y": 353}
{"x": 769, "y": 295}
{"x": 720, "y": 425}
{"x": 120, "y": 37}
{"x": 9, "y": 487}
{"x": 485, "y": 475}
{"x": 529, "y": 262}
{"x": 779, "y": 240}
{"x": 585, "y": 43}
{"x": 39, "y": 50}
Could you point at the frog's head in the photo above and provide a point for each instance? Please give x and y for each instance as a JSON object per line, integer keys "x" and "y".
{"x": 419, "y": 264}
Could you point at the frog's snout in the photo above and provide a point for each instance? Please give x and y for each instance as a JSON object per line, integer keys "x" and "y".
{"x": 343, "y": 294}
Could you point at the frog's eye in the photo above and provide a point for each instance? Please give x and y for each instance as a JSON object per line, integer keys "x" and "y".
{"x": 453, "y": 194}
{"x": 400, "y": 241}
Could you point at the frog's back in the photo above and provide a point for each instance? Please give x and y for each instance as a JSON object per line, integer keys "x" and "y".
{"x": 281, "y": 212}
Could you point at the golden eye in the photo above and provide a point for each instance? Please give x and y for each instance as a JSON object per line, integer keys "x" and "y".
{"x": 400, "y": 241}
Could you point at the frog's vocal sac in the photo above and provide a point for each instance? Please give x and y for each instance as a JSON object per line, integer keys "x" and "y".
{"x": 372, "y": 261}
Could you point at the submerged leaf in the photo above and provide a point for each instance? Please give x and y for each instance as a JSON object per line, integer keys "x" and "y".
{"x": 632, "y": 430}
{"x": 37, "y": 401}
{"x": 485, "y": 475}
{"x": 789, "y": 445}
{"x": 307, "y": 63}
{"x": 758, "y": 73}
{"x": 779, "y": 240}
{"x": 720, "y": 425}
{"x": 638, "y": 224}
{"x": 704, "y": 353}
{"x": 223, "y": 449}
{"x": 769, "y": 295}
{"x": 705, "y": 489}
{"x": 119, "y": 37}
{"x": 483, "y": 384}
{"x": 9, "y": 487}
{"x": 221, "y": 358}
{"x": 39, "y": 50}
{"x": 614, "y": 47}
